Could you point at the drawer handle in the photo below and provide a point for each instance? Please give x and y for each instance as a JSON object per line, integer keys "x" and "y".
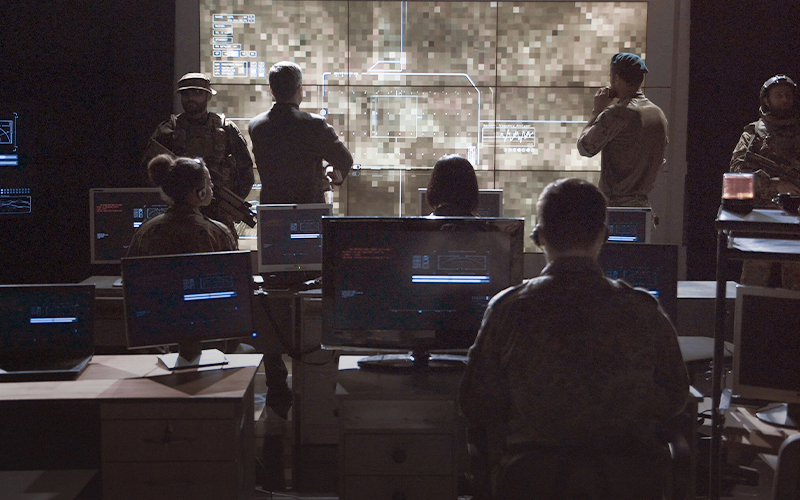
{"x": 167, "y": 437}
{"x": 399, "y": 456}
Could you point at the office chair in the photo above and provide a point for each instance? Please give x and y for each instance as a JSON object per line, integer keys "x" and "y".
{"x": 586, "y": 472}
{"x": 786, "y": 485}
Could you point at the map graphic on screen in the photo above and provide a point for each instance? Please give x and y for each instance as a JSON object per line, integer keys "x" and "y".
{"x": 507, "y": 85}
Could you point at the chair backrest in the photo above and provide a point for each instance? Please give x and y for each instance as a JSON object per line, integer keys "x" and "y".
{"x": 583, "y": 474}
{"x": 786, "y": 485}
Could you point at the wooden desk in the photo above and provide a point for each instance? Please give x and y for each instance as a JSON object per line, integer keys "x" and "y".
{"x": 152, "y": 433}
{"x": 400, "y": 434}
{"x": 744, "y": 429}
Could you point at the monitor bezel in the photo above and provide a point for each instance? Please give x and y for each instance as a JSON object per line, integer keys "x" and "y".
{"x": 240, "y": 258}
{"x": 425, "y": 209}
{"x": 84, "y": 348}
{"x": 284, "y": 268}
{"x": 670, "y": 303}
{"x": 648, "y": 222}
{"x": 748, "y": 390}
{"x": 92, "y": 235}
{"x": 503, "y": 224}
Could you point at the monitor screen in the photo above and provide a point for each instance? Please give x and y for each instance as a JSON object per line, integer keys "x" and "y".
{"x": 42, "y": 319}
{"x": 490, "y": 202}
{"x": 115, "y": 214}
{"x": 414, "y": 282}
{"x": 290, "y": 237}
{"x": 648, "y": 266}
{"x": 629, "y": 224}
{"x": 187, "y": 299}
{"x": 766, "y": 352}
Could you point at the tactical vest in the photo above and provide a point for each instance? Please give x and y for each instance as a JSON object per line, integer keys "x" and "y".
{"x": 208, "y": 141}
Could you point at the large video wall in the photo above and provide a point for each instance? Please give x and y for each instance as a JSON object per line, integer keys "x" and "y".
{"x": 508, "y": 85}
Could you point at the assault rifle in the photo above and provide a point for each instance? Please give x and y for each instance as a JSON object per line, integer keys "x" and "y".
{"x": 774, "y": 169}
{"x": 227, "y": 200}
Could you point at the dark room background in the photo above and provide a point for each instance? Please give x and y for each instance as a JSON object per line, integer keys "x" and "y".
{"x": 91, "y": 81}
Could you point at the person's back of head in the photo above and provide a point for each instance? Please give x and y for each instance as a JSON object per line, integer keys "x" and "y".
{"x": 453, "y": 183}
{"x": 177, "y": 177}
{"x": 571, "y": 214}
{"x": 284, "y": 79}
{"x": 630, "y": 67}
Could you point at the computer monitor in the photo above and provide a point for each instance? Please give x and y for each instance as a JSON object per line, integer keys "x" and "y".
{"x": 649, "y": 266}
{"x": 115, "y": 214}
{"x": 186, "y": 300}
{"x": 414, "y": 283}
{"x": 766, "y": 351}
{"x": 290, "y": 237}
{"x": 629, "y": 224}
{"x": 490, "y": 202}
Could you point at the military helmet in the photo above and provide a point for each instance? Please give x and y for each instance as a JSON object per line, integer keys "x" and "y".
{"x": 197, "y": 81}
{"x": 775, "y": 80}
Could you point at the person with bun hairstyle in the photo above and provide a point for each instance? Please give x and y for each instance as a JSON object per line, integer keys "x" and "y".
{"x": 186, "y": 185}
{"x": 453, "y": 187}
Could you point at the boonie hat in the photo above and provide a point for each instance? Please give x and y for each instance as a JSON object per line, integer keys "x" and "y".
{"x": 195, "y": 81}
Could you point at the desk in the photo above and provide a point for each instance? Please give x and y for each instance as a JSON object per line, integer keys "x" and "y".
{"x": 153, "y": 434}
{"x": 743, "y": 429}
{"x": 400, "y": 434}
{"x": 757, "y": 228}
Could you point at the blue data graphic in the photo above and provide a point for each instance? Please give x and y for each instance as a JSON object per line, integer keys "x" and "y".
{"x": 15, "y": 201}
{"x": 8, "y": 132}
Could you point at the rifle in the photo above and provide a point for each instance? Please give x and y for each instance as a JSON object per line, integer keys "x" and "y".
{"x": 227, "y": 200}
{"x": 774, "y": 169}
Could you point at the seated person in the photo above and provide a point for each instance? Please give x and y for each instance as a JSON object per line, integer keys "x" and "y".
{"x": 453, "y": 187}
{"x": 574, "y": 360}
{"x": 186, "y": 185}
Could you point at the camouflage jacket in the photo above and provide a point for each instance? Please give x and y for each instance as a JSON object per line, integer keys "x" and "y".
{"x": 217, "y": 141}
{"x": 180, "y": 230}
{"x": 775, "y": 139}
{"x": 572, "y": 357}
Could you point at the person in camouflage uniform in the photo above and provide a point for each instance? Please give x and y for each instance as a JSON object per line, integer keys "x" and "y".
{"x": 198, "y": 133}
{"x": 572, "y": 357}
{"x": 631, "y": 134}
{"x": 187, "y": 184}
{"x": 775, "y": 136}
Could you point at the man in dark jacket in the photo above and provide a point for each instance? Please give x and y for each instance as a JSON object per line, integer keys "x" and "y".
{"x": 290, "y": 145}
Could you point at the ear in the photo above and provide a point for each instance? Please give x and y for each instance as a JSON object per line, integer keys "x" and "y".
{"x": 535, "y": 235}
{"x": 202, "y": 194}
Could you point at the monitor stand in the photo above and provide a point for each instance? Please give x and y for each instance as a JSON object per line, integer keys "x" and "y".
{"x": 781, "y": 414}
{"x": 190, "y": 355}
{"x": 417, "y": 360}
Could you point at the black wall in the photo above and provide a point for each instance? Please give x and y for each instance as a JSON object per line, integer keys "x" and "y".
{"x": 90, "y": 80}
{"x": 735, "y": 47}
{"x": 93, "y": 79}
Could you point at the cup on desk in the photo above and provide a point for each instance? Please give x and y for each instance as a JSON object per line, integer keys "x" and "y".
{"x": 738, "y": 191}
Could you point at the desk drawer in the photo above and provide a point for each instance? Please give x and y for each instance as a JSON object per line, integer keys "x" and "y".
{"x": 168, "y": 440}
{"x": 398, "y": 454}
{"x": 399, "y": 488}
{"x": 171, "y": 481}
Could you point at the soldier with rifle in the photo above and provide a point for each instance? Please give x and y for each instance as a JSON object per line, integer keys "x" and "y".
{"x": 198, "y": 133}
{"x": 769, "y": 148}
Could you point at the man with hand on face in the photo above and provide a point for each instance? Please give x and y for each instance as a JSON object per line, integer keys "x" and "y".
{"x": 198, "y": 133}
{"x": 631, "y": 133}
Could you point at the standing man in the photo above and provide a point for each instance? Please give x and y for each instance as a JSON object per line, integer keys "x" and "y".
{"x": 574, "y": 360}
{"x": 198, "y": 133}
{"x": 770, "y": 149}
{"x": 290, "y": 145}
{"x": 631, "y": 133}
